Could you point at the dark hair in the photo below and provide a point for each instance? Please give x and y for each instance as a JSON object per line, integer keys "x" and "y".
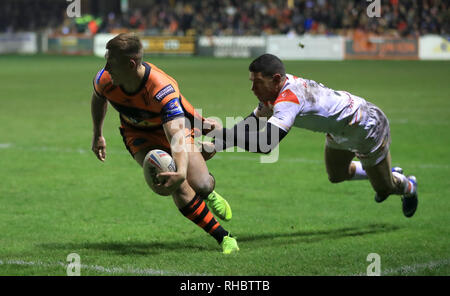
{"x": 126, "y": 45}
{"x": 268, "y": 65}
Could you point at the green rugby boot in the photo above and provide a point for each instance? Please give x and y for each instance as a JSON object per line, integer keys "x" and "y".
{"x": 219, "y": 206}
{"x": 229, "y": 245}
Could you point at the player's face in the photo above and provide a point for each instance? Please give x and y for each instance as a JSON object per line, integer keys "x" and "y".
{"x": 117, "y": 68}
{"x": 263, "y": 87}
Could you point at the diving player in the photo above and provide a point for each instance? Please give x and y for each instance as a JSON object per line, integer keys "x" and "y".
{"x": 353, "y": 127}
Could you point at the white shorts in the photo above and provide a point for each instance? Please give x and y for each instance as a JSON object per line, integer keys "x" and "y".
{"x": 369, "y": 140}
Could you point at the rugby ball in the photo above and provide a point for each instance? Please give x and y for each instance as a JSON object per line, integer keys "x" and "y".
{"x": 157, "y": 161}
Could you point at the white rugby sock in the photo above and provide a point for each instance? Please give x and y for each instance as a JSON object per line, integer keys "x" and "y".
{"x": 404, "y": 182}
{"x": 360, "y": 173}
{"x": 406, "y": 187}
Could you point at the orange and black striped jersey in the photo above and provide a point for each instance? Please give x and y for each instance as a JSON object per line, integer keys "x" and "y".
{"x": 157, "y": 100}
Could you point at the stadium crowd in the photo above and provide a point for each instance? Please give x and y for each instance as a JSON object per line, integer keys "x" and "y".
{"x": 20, "y": 15}
{"x": 234, "y": 17}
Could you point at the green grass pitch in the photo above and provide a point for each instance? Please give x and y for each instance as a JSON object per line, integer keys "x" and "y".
{"x": 56, "y": 198}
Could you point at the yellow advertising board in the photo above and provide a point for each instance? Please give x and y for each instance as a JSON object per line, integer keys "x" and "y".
{"x": 168, "y": 44}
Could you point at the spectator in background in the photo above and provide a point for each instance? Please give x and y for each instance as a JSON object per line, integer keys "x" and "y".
{"x": 233, "y": 17}
{"x": 22, "y": 15}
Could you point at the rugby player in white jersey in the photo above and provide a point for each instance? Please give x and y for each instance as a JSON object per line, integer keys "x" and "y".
{"x": 353, "y": 128}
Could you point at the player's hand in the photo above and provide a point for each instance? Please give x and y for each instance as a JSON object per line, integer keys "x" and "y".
{"x": 208, "y": 150}
{"x": 169, "y": 181}
{"x": 99, "y": 147}
{"x": 210, "y": 124}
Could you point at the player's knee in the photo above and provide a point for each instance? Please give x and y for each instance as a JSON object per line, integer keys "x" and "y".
{"x": 203, "y": 185}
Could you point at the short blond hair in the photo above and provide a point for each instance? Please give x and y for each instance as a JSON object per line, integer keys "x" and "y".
{"x": 126, "y": 45}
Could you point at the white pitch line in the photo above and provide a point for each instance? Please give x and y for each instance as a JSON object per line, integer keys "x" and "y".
{"x": 218, "y": 156}
{"x": 408, "y": 269}
{"x": 98, "y": 268}
{"x": 416, "y": 267}
{"x": 54, "y": 149}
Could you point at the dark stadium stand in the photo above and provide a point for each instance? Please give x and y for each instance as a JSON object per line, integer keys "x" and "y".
{"x": 232, "y": 17}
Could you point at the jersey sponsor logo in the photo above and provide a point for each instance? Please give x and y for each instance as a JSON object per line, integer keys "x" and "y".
{"x": 172, "y": 110}
{"x": 164, "y": 92}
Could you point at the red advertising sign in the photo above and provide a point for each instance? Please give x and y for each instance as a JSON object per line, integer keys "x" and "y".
{"x": 365, "y": 46}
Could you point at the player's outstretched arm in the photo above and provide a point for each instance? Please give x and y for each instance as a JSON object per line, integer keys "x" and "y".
{"x": 254, "y": 134}
{"x": 98, "y": 113}
{"x": 175, "y": 133}
{"x": 253, "y": 123}
{"x": 262, "y": 140}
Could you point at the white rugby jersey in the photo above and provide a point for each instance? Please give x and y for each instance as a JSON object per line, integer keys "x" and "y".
{"x": 307, "y": 104}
